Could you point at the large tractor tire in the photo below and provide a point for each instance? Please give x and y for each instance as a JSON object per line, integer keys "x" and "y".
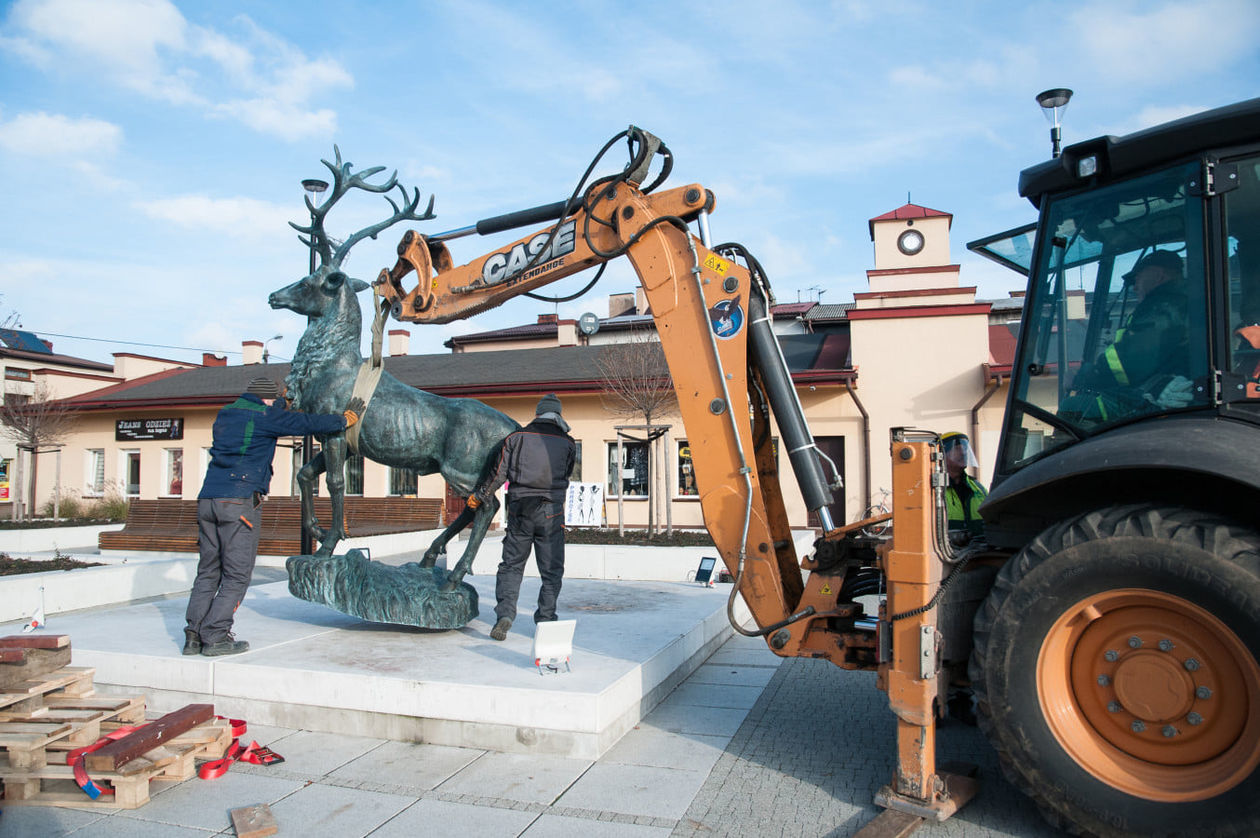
{"x": 1116, "y": 673}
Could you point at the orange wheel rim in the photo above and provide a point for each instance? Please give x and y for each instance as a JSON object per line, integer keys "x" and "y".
{"x": 1152, "y": 695}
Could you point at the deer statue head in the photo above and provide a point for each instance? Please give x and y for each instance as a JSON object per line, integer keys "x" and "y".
{"x": 316, "y": 294}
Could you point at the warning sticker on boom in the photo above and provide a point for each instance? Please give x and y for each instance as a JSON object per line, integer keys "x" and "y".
{"x": 716, "y": 263}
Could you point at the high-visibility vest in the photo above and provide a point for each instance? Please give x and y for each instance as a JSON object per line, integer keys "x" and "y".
{"x": 965, "y": 517}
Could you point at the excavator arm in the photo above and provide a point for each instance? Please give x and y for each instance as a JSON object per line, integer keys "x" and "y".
{"x": 712, "y": 316}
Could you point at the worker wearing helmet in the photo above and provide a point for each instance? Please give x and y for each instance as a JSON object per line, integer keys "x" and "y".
{"x": 963, "y": 494}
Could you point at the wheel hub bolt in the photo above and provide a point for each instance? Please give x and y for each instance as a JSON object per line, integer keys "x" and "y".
{"x": 1194, "y": 719}
{"x": 1103, "y": 680}
{"x": 1114, "y": 706}
{"x": 1165, "y": 645}
{"x": 1137, "y": 726}
{"x": 1191, "y": 664}
{"x": 1169, "y": 731}
{"x": 1111, "y": 655}
{"x": 1202, "y": 692}
{"x": 1135, "y": 642}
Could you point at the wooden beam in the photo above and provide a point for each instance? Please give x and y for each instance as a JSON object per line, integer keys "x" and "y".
{"x": 36, "y": 641}
{"x": 135, "y": 744}
{"x": 29, "y": 664}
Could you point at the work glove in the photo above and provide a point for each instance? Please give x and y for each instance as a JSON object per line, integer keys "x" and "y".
{"x": 473, "y": 501}
{"x": 1178, "y": 392}
{"x": 353, "y": 411}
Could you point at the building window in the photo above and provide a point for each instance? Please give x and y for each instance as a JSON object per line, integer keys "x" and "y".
{"x": 295, "y": 488}
{"x": 686, "y": 474}
{"x": 404, "y": 482}
{"x": 354, "y": 473}
{"x": 174, "y": 472}
{"x": 94, "y": 472}
{"x": 575, "y": 475}
{"x": 14, "y": 374}
{"x": 633, "y": 470}
{"x": 131, "y": 472}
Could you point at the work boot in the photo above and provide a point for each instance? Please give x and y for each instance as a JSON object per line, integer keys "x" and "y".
{"x": 227, "y": 646}
{"x": 192, "y": 643}
{"x": 500, "y": 630}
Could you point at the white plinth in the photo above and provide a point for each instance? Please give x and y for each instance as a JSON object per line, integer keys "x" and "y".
{"x": 311, "y": 667}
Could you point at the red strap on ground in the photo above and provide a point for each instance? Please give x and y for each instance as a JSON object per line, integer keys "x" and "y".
{"x": 75, "y": 760}
{"x": 252, "y": 753}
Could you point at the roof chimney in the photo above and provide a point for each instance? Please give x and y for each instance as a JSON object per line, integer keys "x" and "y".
{"x": 47, "y": 343}
{"x": 399, "y": 342}
{"x": 548, "y": 318}
{"x": 251, "y": 352}
{"x": 209, "y": 359}
{"x": 619, "y": 304}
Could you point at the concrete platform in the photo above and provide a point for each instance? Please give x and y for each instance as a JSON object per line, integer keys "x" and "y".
{"x": 313, "y": 668}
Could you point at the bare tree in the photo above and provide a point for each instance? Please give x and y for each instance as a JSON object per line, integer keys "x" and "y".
{"x": 637, "y": 384}
{"x": 36, "y": 423}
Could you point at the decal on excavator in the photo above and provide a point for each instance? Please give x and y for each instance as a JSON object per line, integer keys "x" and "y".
{"x": 727, "y": 318}
{"x": 500, "y": 267}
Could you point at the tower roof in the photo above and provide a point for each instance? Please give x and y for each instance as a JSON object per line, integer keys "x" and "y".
{"x": 909, "y": 212}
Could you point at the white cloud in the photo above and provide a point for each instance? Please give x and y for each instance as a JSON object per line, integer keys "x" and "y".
{"x": 243, "y": 217}
{"x": 1142, "y": 43}
{"x": 55, "y": 135}
{"x": 148, "y": 47}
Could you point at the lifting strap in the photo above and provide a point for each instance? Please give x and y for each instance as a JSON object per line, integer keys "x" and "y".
{"x": 370, "y": 372}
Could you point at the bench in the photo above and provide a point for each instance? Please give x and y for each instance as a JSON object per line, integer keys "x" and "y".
{"x": 170, "y": 525}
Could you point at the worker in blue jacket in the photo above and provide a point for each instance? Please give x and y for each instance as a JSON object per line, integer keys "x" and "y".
{"x": 236, "y": 483}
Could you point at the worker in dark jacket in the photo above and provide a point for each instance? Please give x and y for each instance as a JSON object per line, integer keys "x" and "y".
{"x": 536, "y": 461}
{"x": 245, "y": 434}
{"x": 963, "y": 493}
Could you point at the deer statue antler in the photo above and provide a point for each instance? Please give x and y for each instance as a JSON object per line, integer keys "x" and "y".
{"x": 343, "y": 182}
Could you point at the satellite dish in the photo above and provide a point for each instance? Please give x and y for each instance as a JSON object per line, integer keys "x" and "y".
{"x": 588, "y": 323}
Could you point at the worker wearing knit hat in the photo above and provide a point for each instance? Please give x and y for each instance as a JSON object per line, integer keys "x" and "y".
{"x": 536, "y": 461}
{"x": 228, "y": 515}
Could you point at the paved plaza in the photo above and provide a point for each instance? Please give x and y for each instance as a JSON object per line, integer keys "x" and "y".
{"x": 746, "y": 746}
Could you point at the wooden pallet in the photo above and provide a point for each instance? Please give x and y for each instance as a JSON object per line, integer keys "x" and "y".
{"x": 174, "y": 761}
{"x": 42, "y": 719}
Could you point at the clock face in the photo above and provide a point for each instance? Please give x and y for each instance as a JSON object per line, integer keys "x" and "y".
{"x": 910, "y": 242}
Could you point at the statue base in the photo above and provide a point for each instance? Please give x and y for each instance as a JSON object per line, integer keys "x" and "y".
{"x": 406, "y": 594}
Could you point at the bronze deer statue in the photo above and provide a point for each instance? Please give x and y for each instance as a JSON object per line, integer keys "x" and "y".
{"x": 402, "y": 427}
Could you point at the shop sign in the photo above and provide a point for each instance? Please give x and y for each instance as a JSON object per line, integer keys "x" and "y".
{"x": 132, "y": 430}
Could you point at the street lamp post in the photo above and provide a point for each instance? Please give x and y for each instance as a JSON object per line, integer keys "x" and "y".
{"x": 313, "y": 187}
{"x": 1053, "y": 103}
{"x": 266, "y": 355}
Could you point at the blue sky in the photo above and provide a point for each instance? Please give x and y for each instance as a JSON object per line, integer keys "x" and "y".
{"x": 152, "y": 151}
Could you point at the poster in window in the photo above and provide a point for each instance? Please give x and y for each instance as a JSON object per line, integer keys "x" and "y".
{"x": 584, "y": 505}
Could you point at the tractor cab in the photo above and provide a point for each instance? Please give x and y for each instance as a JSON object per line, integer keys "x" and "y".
{"x": 1141, "y": 325}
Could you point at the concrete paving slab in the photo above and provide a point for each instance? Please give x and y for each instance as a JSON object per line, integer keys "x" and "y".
{"x": 408, "y": 765}
{"x": 741, "y": 676}
{"x": 312, "y": 668}
{"x": 46, "y": 822}
{"x": 123, "y": 826}
{"x": 635, "y": 790}
{"x": 266, "y": 734}
{"x": 204, "y": 804}
{"x": 560, "y": 826}
{"x": 716, "y": 695}
{"x": 320, "y": 810}
{"x": 524, "y": 777}
{"x": 313, "y": 754}
{"x": 688, "y": 719}
{"x": 443, "y": 819}
{"x": 650, "y": 746}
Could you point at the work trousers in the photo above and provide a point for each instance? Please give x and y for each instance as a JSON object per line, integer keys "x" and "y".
{"x": 227, "y": 536}
{"x": 539, "y": 523}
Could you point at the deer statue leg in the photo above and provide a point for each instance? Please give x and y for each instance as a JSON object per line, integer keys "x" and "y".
{"x": 481, "y": 524}
{"x": 334, "y": 452}
{"x": 307, "y": 476}
{"x": 454, "y": 528}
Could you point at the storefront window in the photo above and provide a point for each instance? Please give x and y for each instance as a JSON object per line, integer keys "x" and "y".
{"x": 354, "y": 473}
{"x": 633, "y": 470}
{"x": 175, "y": 471}
{"x": 686, "y": 475}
